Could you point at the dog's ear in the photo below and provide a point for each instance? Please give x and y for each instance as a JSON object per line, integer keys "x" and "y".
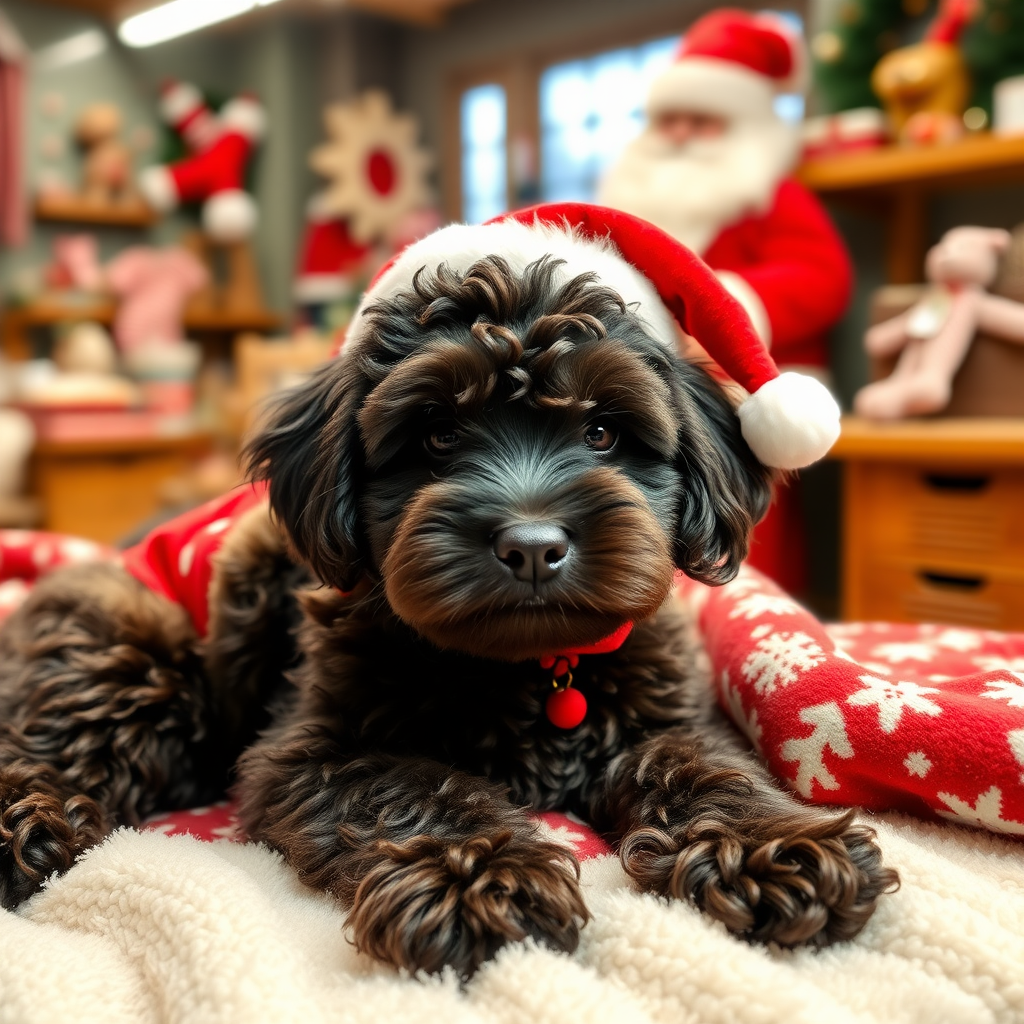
{"x": 726, "y": 490}
{"x": 307, "y": 447}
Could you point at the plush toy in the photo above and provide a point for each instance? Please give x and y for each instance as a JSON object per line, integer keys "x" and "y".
{"x": 934, "y": 335}
{"x": 212, "y": 173}
{"x": 925, "y": 87}
{"x": 153, "y": 286}
{"x": 107, "y": 169}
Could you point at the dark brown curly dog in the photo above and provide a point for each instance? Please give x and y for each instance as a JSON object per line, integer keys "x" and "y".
{"x": 510, "y": 463}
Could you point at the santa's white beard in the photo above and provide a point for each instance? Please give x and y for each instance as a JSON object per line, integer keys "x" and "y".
{"x": 695, "y": 190}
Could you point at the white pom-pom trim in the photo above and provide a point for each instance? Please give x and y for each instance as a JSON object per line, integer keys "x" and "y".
{"x": 178, "y": 101}
{"x": 790, "y": 422}
{"x": 229, "y": 216}
{"x": 245, "y": 116}
{"x": 158, "y": 189}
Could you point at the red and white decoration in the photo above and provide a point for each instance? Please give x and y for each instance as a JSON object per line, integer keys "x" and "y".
{"x": 789, "y": 420}
{"x": 375, "y": 169}
{"x": 331, "y": 260}
{"x": 737, "y": 62}
{"x": 213, "y": 173}
{"x": 926, "y": 719}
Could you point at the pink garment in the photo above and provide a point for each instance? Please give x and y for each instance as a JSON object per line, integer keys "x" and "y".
{"x": 13, "y": 205}
{"x": 153, "y": 286}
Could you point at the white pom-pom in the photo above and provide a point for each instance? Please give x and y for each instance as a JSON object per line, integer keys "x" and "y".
{"x": 790, "y": 422}
{"x": 179, "y": 100}
{"x": 158, "y": 188}
{"x": 229, "y": 216}
{"x": 245, "y": 115}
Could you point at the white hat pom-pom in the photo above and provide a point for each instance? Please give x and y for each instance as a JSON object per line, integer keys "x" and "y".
{"x": 790, "y": 422}
{"x": 229, "y": 216}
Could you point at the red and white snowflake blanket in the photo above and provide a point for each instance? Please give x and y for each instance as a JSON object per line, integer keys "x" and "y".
{"x": 924, "y": 719}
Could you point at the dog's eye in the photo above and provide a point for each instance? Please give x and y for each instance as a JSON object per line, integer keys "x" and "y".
{"x": 599, "y": 438}
{"x": 442, "y": 440}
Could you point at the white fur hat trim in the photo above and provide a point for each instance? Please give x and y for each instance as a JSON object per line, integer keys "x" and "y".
{"x": 790, "y": 421}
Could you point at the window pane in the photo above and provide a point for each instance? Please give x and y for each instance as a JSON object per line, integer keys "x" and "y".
{"x": 589, "y": 110}
{"x": 484, "y": 155}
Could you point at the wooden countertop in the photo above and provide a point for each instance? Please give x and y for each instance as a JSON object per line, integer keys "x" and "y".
{"x": 977, "y": 439}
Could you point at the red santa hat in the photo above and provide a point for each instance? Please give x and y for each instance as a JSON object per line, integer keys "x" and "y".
{"x": 732, "y": 63}
{"x": 789, "y": 420}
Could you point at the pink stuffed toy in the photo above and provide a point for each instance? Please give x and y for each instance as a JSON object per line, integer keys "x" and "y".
{"x": 935, "y": 334}
{"x": 153, "y": 286}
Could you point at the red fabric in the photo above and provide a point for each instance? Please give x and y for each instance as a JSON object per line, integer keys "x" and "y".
{"x": 778, "y": 547}
{"x": 220, "y": 821}
{"x": 217, "y": 169}
{"x": 13, "y": 100}
{"x": 926, "y": 719}
{"x": 175, "y": 559}
{"x": 796, "y": 261}
{"x": 741, "y": 38}
{"x": 695, "y": 297}
{"x": 328, "y": 248}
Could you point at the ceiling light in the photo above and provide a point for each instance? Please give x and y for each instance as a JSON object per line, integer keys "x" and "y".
{"x": 179, "y": 17}
{"x": 72, "y": 50}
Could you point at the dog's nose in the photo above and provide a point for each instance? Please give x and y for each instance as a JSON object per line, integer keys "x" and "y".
{"x": 533, "y": 551}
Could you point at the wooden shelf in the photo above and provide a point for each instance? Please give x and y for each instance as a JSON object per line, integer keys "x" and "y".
{"x": 976, "y": 160}
{"x": 896, "y": 181}
{"x": 992, "y": 440}
{"x": 18, "y": 320}
{"x": 75, "y": 210}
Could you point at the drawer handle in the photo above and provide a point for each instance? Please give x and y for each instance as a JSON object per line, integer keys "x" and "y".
{"x": 946, "y": 579}
{"x": 945, "y": 482}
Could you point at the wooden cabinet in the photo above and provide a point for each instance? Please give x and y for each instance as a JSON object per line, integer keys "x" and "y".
{"x": 896, "y": 182}
{"x": 102, "y": 489}
{"x": 933, "y": 521}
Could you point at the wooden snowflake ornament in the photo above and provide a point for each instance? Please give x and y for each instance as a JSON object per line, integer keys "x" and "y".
{"x": 375, "y": 169}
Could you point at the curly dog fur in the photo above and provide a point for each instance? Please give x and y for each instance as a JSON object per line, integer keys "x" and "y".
{"x": 389, "y": 740}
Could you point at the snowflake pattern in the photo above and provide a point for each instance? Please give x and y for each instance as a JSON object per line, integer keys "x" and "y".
{"x": 917, "y": 763}
{"x": 994, "y": 663}
{"x": 779, "y": 659}
{"x": 903, "y": 651}
{"x": 747, "y": 724}
{"x": 1004, "y": 689}
{"x": 985, "y": 812}
{"x": 892, "y": 698}
{"x": 754, "y": 605}
{"x": 828, "y": 731}
{"x": 1015, "y": 737}
{"x": 959, "y": 640}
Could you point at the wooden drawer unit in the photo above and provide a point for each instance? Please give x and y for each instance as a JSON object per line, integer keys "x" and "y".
{"x": 933, "y": 522}
{"x": 942, "y": 512}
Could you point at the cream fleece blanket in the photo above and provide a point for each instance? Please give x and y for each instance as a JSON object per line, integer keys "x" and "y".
{"x": 150, "y": 927}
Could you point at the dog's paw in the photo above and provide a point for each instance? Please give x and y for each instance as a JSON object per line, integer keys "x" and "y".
{"x": 42, "y": 829}
{"x": 817, "y": 887}
{"x": 428, "y": 903}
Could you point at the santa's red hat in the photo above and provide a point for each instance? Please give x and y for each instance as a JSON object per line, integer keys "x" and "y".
{"x": 789, "y": 420}
{"x": 733, "y": 64}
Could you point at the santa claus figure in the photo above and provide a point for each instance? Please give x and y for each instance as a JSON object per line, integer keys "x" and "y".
{"x": 713, "y": 168}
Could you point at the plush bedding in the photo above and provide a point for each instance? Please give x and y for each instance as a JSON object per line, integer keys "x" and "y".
{"x": 160, "y": 925}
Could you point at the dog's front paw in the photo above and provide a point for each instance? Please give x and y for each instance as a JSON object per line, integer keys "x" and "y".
{"x": 42, "y": 829}
{"x": 428, "y": 903}
{"x": 819, "y": 886}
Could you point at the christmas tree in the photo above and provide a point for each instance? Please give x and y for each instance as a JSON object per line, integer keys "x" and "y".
{"x": 993, "y": 47}
{"x": 845, "y": 54}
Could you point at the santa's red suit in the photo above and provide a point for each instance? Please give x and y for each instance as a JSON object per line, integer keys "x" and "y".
{"x": 732, "y": 199}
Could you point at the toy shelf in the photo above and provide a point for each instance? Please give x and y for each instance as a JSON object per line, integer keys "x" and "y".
{"x": 896, "y": 182}
{"x": 75, "y": 210}
{"x": 17, "y": 321}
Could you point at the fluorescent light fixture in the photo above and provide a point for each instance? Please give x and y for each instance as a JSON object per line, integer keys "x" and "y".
{"x": 178, "y": 17}
{"x": 72, "y": 50}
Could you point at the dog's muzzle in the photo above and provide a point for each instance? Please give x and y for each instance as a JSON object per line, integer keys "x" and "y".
{"x": 535, "y": 552}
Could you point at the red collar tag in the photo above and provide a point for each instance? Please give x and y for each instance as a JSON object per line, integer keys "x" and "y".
{"x": 567, "y": 707}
